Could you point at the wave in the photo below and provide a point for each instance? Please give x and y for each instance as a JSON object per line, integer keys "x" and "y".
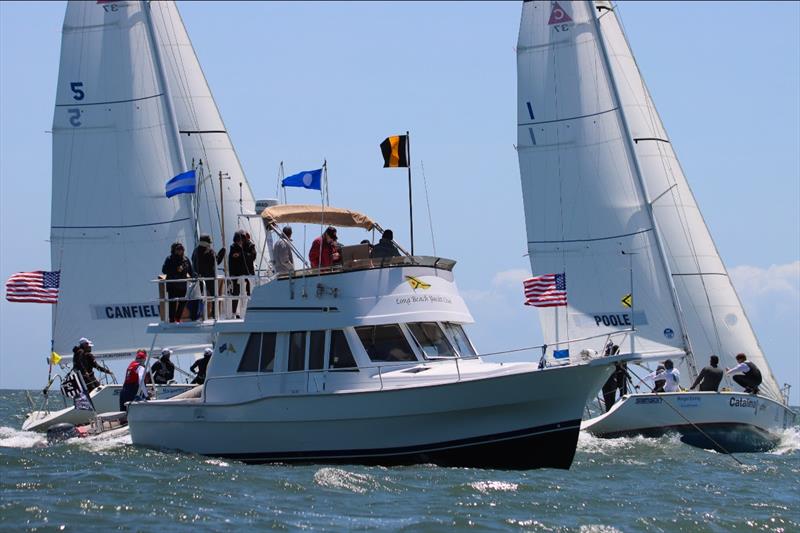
{"x": 16, "y": 438}
{"x": 590, "y": 444}
{"x": 485, "y": 487}
{"x": 337, "y": 478}
{"x": 789, "y": 441}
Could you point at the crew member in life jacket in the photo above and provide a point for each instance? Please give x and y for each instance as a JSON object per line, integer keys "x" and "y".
{"x": 134, "y": 388}
{"x": 163, "y": 370}
{"x": 83, "y": 360}
{"x": 177, "y": 267}
{"x": 199, "y": 367}
{"x": 746, "y": 373}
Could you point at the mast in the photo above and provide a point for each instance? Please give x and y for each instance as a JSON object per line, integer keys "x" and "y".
{"x": 628, "y": 140}
{"x": 172, "y": 120}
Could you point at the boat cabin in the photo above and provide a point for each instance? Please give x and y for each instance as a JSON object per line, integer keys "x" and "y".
{"x": 349, "y": 325}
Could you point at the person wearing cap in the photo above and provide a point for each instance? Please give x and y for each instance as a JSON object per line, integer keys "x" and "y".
{"x": 134, "y": 388}
{"x": 282, "y": 253}
{"x": 163, "y": 370}
{"x": 670, "y": 377}
{"x": 177, "y": 267}
{"x": 250, "y": 254}
{"x": 84, "y": 361}
{"x": 385, "y": 246}
{"x": 710, "y": 377}
{"x": 205, "y": 263}
{"x": 746, "y": 374}
{"x": 199, "y": 367}
{"x": 324, "y": 250}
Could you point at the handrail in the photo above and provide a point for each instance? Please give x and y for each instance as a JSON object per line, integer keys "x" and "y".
{"x": 220, "y": 300}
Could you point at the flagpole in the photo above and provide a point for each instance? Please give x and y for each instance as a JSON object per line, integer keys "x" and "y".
{"x": 410, "y": 204}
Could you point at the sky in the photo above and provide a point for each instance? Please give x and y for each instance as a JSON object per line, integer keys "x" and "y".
{"x": 299, "y": 83}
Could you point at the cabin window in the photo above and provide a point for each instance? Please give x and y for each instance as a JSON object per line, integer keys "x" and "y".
{"x": 459, "y": 337}
{"x": 268, "y": 352}
{"x": 249, "y": 362}
{"x": 385, "y": 343}
{"x": 316, "y": 350}
{"x": 431, "y": 340}
{"x": 297, "y": 351}
{"x": 340, "y": 355}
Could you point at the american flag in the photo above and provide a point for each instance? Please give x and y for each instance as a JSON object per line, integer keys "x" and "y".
{"x": 547, "y": 290}
{"x": 38, "y": 287}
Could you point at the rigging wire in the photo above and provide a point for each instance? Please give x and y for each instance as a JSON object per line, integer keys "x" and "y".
{"x": 427, "y": 201}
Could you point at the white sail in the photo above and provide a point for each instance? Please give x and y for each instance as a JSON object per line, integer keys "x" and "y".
{"x": 585, "y": 209}
{"x": 204, "y": 137}
{"x": 715, "y": 320}
{"x": 113, "y": 152}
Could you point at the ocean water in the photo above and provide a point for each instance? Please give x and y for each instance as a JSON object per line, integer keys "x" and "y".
{"x": 614, "y": 485}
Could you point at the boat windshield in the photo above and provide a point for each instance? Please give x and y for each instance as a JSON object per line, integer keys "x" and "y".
{"x": 459, "y": 337}
{"x": 431, "y": 340}
{"x": 385, "y": 343}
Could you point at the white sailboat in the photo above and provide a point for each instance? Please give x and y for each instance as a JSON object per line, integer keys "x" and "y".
{"x": 367, "y": 362}
{"x": 607, "y": 204}
{"x": 133, "y": 110}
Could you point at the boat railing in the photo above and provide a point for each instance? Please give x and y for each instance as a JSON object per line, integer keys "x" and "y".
{"x": 209, "y": 298}
{"x": 372, "y": 263}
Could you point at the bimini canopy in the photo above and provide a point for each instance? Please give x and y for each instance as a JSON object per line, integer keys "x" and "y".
{"x": 316, "y": 214}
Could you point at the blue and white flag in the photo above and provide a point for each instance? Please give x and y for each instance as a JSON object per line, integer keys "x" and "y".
{"x": 181, "y": 184}
{"x": 310, "y": 179}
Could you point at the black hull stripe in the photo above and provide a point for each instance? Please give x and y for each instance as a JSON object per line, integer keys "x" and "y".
{"x": 566, "y": 426}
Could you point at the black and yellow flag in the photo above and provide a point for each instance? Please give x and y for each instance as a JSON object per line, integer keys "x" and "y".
{"x": 395, "y": 151}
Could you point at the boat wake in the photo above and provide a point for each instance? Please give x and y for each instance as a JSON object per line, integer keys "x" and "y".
{"x": 588, "y": 443}
{"x": 789, "y": 443}
{"x": 16, "y": 438}
{"x": 106, "y": 441}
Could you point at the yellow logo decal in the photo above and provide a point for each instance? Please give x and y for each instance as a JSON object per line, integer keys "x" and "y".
{"x": 627, "y": 300}
{"x": 417, "y": 283}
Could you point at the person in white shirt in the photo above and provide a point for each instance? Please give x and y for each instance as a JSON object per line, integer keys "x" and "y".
{"x": 282, "y": 253}
{"x": 745, "y": 374}
{"x": 671, "y": 377}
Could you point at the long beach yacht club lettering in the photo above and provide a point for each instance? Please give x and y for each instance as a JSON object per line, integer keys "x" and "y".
{"x": 426, "y": 298}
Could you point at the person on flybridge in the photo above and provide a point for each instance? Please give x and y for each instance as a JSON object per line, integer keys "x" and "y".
{"x": 83, "y": 360}
{"x": 670, "y": 376}
{"x": 710, "y": 377}
{"x": 385, "y": 246}
{"x": 177, "y": 267}
{"x": 205, "y": 263}
{"x": 746, "y": 373}
{"x": 282, "y": 253}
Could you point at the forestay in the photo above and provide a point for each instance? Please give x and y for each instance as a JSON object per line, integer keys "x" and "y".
{"x": 715, "y": 320}
{"x": 584, "y": 207}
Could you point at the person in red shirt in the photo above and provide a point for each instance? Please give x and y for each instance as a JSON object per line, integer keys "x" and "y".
{"x": 324, "y": 250}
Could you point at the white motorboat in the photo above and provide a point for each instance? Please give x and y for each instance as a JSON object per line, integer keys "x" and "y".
{"x": 367, "y": 362}
{"x": 133, "y": 110}
{"x": 608, "y": 208}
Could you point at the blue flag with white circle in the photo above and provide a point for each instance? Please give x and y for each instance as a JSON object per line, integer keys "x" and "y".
{"x": 309, "y": 179}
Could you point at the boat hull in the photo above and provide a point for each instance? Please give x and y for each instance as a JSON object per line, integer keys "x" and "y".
{"x": 723, "y": 421}
{"x": 518, "y": 420}
{"x": 105, "y": 400}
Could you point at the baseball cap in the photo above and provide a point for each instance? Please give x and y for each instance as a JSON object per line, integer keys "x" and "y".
{"x": 84, "y": 340}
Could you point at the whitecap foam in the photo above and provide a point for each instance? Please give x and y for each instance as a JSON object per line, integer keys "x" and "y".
{"x": 789, "y": 443}
{"x": 485, "y": 487}
{"x": 598, "y": 528}
{"x": 337, "y": 478}
{"x": 16, "y": 438}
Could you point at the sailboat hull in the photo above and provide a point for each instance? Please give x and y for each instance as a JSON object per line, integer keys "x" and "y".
{"x": 723, "y": 421}
{"x": 519, "y": 420}
{"x": 105, "y": 400}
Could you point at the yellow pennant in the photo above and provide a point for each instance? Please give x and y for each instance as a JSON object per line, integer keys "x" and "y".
{"x": 54, "y": 358}
{"x": 417, "y": 283}
{"x": 627, "y": 300}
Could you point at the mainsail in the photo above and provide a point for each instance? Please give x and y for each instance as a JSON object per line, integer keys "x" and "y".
{"x": 600, "y": 176}
{"x": 115, "y": 145}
